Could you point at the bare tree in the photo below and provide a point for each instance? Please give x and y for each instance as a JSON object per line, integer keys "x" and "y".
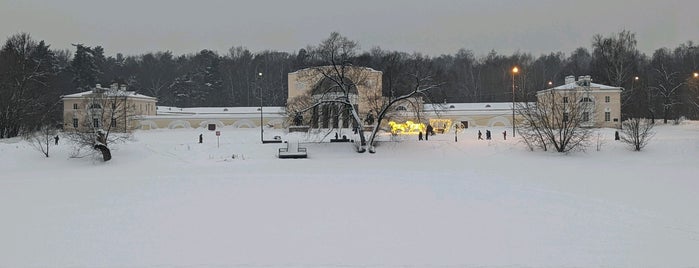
{"x": 616, "y": 56}
{"x": 41, "y": 140}
{"x": 26, "y": 67}
{"x": 337, "y": 52}
{"x": 667, "y": 88}
{"x": 421, "y": 86}
{"x": 339, "y": 82}
{"x": 558, "y": 118}
{"x": 107, "y": 120}
{"x": 637, "y": 132}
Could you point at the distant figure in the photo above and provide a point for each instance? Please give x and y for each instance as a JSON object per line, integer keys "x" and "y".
{"x": 419, "y": 136}
{"x": 336, "y": 137}
{"x": 56, "y": 139}
{"x": 369, "y": 120}
{"x": 616, "y": 135}
{"x": 487, "y": 134}
{"x": 201, "y": 138}
{"x": 504, "y": 135}
{"x": 430, "y": 130}
{"x": 480, "y": 135}
{"x": 298, "y": 119}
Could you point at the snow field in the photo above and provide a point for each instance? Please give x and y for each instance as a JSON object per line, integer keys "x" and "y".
{"x": 165, "y": 200}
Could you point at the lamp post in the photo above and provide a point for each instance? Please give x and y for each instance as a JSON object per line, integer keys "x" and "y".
{"x": 515, "y": 70}
{"x": 259, "y": 78}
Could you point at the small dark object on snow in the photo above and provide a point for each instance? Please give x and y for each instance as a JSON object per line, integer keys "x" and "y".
{"x": 201, "y": 138}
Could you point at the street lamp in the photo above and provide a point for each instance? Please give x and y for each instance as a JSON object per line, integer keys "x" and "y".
{"x": 515, "y": 70}
{"x": 259, "y": 78}
{"x": 696, "y": 75}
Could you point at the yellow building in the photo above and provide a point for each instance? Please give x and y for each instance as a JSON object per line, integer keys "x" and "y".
{"x": 599, "y": 104}
{"x": 112, "y": 107}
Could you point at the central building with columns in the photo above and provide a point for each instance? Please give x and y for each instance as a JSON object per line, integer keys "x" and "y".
{"x": 311, "y": 84}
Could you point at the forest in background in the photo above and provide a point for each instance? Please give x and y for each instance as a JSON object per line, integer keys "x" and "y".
{"x": 33, "y": 76}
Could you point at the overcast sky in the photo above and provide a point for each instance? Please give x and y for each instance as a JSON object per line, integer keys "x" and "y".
{"x": 429, "y": 26}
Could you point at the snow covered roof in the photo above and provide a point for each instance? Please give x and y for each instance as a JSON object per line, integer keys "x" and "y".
{"x": 583, "y": 82}
{"x": 109, "y": 92}
{"x": 575, "y": 85}
{"x": 329, "y": 66}
{"x": 470, "y": 109}
{"x": 217, "y": 111}
{"x": 477, "y": 106}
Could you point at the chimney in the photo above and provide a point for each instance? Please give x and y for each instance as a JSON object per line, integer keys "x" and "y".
{"x": 97, "y": 89}
{"x": 569, "y": 79}
{"x": 584, "y": 80}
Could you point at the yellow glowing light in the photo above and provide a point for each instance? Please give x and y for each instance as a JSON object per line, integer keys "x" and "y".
{"x": 407, "y": 128}
{"x": 515, "y": 70}
{"x": 696, "y": 75}
{"x": 441, "y": 125}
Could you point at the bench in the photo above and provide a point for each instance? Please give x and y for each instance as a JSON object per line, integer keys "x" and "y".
{"x": 292, "y": 150}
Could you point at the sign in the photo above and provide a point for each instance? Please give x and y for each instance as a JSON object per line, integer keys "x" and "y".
{"x": 218, "y": 133}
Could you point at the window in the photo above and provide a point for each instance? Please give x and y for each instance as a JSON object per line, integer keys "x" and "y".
{"x": 565, "y": 117}
{"x": 606, "y": 98}
{"x": 607, "y": 116}
{"x": 585, "y": 99}
{"x": 75, "y": 123}
{"x": 401, "y": 108}
{"x": 565, "y": 99}
{"x": 75, "y": 106}
{"x": 113, "y": 122}
{"x": 585, "y": 116}
{"x": 96, "y": 122}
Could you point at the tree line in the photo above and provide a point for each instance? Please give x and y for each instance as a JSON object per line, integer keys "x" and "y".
{"x": 33, "y": 76}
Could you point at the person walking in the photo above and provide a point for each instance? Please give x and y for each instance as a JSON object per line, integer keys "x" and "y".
{"x": 480, "y": 135}
{"x": 56, "y": 139}
{"x": 487, "y": 134}
{"x": 419, "y": 136}
{"x": 504, "y": 135}
{"x": 201, "y": 138}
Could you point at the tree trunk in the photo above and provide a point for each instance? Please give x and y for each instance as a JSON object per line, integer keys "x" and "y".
{"x": 106, "y": 154}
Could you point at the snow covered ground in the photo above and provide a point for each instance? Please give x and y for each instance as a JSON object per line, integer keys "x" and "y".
{"x": 166, "y": 201}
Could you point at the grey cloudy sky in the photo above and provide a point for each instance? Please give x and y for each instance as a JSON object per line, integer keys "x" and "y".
{"x": 429, "y": 26}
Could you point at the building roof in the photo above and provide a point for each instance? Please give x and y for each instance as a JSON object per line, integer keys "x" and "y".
{"x": 477, "y": 106}
{"x": 109, "y": 92}
{"x": 575, "y": 85}
{"x": 330, "y": 66}
{"x": 167, "y": 110}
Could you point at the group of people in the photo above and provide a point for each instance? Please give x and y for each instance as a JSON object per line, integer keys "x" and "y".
{"x": 488, "y": 136}
{"x": 429, "y": 131}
